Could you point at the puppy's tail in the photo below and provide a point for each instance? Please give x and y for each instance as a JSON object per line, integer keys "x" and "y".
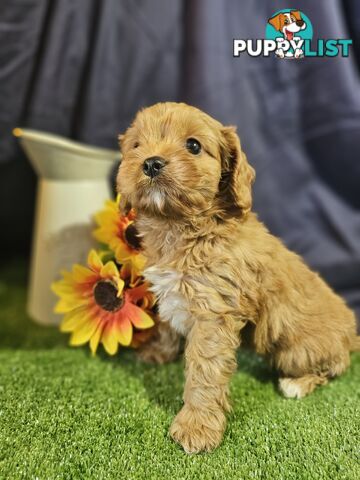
{"x": 355, "y": 346}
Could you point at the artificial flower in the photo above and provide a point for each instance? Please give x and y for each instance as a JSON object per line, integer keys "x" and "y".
{"x": 119, "y": 233}
{"x": 99, "y": 306}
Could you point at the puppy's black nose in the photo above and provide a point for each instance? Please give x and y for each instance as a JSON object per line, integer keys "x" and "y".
{"x": 299, "y": 23}
{"x": 152, "y": 166}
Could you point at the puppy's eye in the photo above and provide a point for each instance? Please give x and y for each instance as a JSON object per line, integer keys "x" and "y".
{"x": 286, "y": 21}
{"x": 193, "y": 146}
{"x": 136, "y": 144}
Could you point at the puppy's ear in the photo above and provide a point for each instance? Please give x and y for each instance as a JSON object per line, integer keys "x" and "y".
{"x": 296, "y": 14}
{"x": 276, "y": 21}
{"x": 237, "y": 175}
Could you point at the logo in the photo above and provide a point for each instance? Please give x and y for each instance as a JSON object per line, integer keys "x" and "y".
{"x": 289, "y": 35}
{"x": 289, "y": 29}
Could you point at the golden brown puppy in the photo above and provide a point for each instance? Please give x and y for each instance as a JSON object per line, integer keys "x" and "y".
{"x": 215, "y": 268}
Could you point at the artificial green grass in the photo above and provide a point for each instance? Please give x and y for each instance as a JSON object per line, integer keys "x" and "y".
{"x": 66, "y": 415}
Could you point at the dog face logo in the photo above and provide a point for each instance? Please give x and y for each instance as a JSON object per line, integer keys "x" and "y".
{"x": 288, "y": 29}
{"x": 288, "y": 23}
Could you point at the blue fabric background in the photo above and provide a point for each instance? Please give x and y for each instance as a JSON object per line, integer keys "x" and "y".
{"x": 82, "y": 68}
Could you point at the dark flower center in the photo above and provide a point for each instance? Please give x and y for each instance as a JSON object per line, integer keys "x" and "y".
{"x": 105, "y": 294}
{"x": 132, "y": 238}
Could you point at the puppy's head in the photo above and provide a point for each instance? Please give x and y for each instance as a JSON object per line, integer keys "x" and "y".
{"x": 179, "y": 162}
{"x": 288, "y": 23}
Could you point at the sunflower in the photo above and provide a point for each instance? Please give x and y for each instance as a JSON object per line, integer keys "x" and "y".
{"x": 99, "y": 306}
{"x": 119, "y": 233}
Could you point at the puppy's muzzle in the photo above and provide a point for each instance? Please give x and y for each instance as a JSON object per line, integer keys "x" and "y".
{"x": 152, "y": 166}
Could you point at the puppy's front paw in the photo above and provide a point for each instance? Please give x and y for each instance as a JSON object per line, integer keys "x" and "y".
{"x": 198, "y": 430}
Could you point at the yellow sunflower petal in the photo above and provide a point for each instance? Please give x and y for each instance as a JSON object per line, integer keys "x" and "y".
{"x": 94, "y": 261}
{"x": 84, "y": 332}
{"x": 141, "y": 319}
{"x": 68, "y": 276}
{"x": 62, "y": 287}
{"x": 122, "y": 251}
{"x": 65, "y": 305}
{"x": 105, "y": 216}
{"x": 109, "y": 340}
{"x": 101, "y": 236}
{"x": 107, "y": 227}
{"x": 120, "y": 286}
{"x": 73, "y": 319}
{"x": 109, "y": 270}
{"x": 107, "y": 220}
{"x": 111, "y": 204}
{"x": 95, "y": 339}
{"x": 124, "y": 332}
{"x": 82, "y": 274}
{"x": 139, "y": 262}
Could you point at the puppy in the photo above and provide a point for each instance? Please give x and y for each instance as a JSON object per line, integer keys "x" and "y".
{"x": 216, "y": 269}
{"x": 288, "y": 24}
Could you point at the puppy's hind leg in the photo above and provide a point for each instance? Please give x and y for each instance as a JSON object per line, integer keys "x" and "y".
{"x": 301, "y": 386}
{"x": 164, "y": 347}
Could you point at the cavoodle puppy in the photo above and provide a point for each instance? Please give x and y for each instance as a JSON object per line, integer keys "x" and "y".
{"x": 217, "y": 272}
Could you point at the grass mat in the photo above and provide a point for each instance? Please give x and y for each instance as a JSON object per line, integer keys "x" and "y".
{"x": 66, "y": 415}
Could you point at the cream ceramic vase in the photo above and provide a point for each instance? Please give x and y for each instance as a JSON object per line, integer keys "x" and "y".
{"x": 73, "y": 184}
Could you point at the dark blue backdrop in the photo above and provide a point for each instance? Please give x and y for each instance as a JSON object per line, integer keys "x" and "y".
{"x": 82, "y": 68}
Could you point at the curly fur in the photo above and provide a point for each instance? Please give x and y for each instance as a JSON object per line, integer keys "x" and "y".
{"x": 216, "y": 269}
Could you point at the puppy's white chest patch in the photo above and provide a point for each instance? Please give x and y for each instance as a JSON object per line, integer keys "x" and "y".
{"x": 173, "y": 306}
